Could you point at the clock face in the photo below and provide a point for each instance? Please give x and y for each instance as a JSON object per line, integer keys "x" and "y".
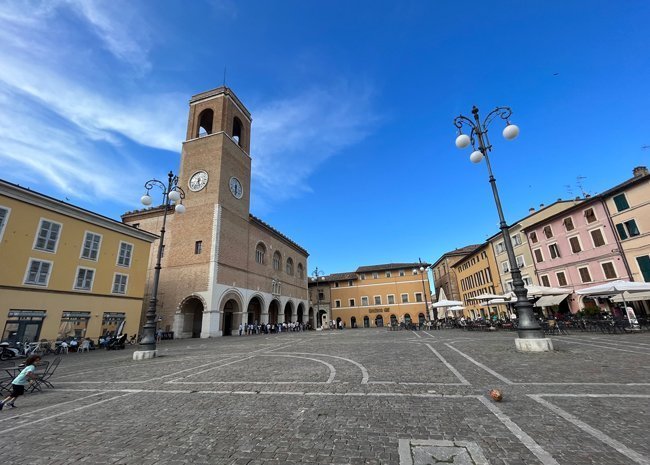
{"x": 198, "y": 181}
{"x": 235, "y": 188}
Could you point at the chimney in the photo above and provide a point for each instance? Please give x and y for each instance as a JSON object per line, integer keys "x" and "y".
{"x": 541, "y": 205}
{"x": 640, "y": 171}
{"x": 531, "y": 210}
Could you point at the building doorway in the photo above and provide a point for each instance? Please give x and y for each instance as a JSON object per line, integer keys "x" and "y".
{"x": 421, "y": 319}
{"x": 192, "y": 311}
{"x": 229, "y": 324}
{"x": 407, "y": 320}
{"x": 379, "y": 321}
{"x": 287, "y": 312}
{"x": 353, "y": 322}
{"x": 311, "y": 318}
{"x": 301, "y": 310}
{"x": 366, "y": 322}
{"x": 322, "y": 318}
{"x": 393, "y": 320}
{"x": 274, "y": 311}
{"x": 254, "y": 311}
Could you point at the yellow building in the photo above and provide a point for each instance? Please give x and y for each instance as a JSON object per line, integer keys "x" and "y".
{"x": 66, "y": 271}
{"x": 375, "y": 296}
{"x": 477, "y": 274}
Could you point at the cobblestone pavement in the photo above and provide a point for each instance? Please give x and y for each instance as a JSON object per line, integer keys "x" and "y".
{"x": 365, "y": 396}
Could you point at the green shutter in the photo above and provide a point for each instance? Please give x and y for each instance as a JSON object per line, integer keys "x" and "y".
{"x": 621, "y": 231}
{"x": 621, "y": 202}
{"x": 644, "y": 266}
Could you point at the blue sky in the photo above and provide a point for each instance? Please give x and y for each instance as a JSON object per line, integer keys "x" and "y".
{"x": 352, "y": 103}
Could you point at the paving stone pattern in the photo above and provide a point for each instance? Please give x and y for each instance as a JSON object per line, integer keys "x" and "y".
{"x": 365, "y": 396}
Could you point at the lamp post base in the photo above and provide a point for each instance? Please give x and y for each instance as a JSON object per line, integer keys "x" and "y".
{"x": 534, "y": 345}
{"x": 144, "y": 354}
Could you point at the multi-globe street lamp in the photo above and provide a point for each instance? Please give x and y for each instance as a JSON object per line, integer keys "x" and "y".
{"x": 531, "y": 338}
{"x": 319, "y": 275}
{"x": 172, "y": 195}
{"x": 423, "y": 271}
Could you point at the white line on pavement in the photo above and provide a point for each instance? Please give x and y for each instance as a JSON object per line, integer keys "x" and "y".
{"x": 416, "y": 334}
{"x": 631, "y": 396}
{"x": 448, "y": 365}
{"x": 480, "y": 365}
{"x": 531, "y": 445}
{"x": 328, "y": 365}
{"x": 364, "y": 372}
{"x": 618, "y": 446}
{"x": 598, "y": 345}
{"x": 29, "y": 423}
{"x": 13, "y": 417}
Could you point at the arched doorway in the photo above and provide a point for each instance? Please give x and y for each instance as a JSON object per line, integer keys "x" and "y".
{"x": 407, "y": 320}
{"x": 287, "y": 312}
{"x": 311, "y": 318}
{"x": 379, "y": 321}
{"x": 301, "y": 311}
{"x": 393, "y": 320}
{"x": 254, "y": 311}
{"x": 353, "y": 322}
{"x": 366, "y": 322}
{"x": 421, "y": 319}
{"x": 192, "y": 312}
{"x": 338, "y": 322}
{"x": 229, "y": 322}
{"x": 322, "y": 318}
{"x": 274, "y": 311}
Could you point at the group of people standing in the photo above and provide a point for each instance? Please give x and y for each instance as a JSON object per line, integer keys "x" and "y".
{"x": 269, "y": 328}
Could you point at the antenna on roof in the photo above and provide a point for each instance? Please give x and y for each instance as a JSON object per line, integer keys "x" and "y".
{"x": 224, "y": 76}
{"x": 569, "y": 190}
{"x": 580, "y": 186}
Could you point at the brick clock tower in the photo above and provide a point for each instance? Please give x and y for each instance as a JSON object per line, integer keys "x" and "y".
{"x": 221, "y": 265}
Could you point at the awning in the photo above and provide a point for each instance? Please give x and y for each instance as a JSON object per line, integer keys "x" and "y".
{"x": 631, "y": 297}
{"x": 550, "y": 300}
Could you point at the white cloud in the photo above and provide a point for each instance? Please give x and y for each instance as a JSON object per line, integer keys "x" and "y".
{"x": 34, "y": 152}
{"x": 293, "y": 136}
{"x": 120, "y": 27}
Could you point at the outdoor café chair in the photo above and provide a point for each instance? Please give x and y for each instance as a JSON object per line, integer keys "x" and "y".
{"x": 43, "y": 377}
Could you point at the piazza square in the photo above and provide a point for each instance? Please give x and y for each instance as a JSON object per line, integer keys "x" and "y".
{"x": 343, "y": 396}
{"x": 251, "y": 232}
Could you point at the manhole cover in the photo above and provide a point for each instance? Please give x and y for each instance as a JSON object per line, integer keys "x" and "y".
{"x": 432, "y": 452}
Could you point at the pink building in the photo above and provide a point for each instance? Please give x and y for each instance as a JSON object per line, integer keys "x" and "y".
{"x": 577, "y": 248}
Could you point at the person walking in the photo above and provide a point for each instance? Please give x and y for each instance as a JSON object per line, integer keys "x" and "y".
{"x": 23, "y": 379}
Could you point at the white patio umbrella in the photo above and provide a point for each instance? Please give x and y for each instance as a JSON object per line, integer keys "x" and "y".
{"x": 617, "y": 288}
{"x": 446, "y": 303}
{"x": 614, "y": 288}
{"x": 486, "y": 296}
{"x": 535, "y": 291}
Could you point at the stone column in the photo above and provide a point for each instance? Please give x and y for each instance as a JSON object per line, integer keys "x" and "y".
{"x": 210, "y": 326}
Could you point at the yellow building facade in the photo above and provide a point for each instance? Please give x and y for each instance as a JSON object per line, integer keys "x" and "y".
{"x": 378, "y": 295}
{"x": 66, "y": 272}
{"x": 477, "y": 274}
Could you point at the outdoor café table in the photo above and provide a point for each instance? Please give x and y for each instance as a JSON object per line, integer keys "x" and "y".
{"x": 5, "y": 382}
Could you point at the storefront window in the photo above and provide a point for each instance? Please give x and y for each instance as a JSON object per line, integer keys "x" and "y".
{"x": 73, "y": 325}
{"x": 113, "y": 323}
{"x": 23, "y": 325}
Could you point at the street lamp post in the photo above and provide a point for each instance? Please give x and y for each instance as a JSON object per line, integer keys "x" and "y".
{"x": 424, "y": 291}
{"x": 172, "y": 194}
{"x": 531, "y": 338}
{"x": 318, "y": 276}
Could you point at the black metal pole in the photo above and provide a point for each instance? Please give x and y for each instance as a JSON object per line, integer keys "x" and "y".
{"x": 148, "y": 341}
{"x": 527, "y": 326}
